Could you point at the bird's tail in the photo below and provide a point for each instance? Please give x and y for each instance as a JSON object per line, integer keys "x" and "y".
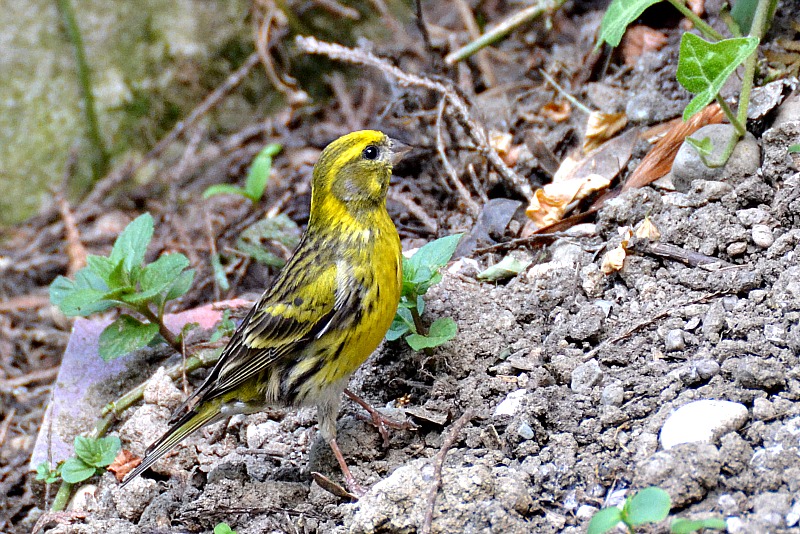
{"x": 202, "y": 415}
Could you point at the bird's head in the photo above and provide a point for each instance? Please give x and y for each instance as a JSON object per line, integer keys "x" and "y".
{"x": 356, "y": 169}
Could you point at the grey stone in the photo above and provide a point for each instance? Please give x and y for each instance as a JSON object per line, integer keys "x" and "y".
{"x": 613, "y": 395}
{"x": 752, "y": 216}
{"x": 756, "y": 373}
{"x": 714, "y": 322}
{"x": 586, "y": 376}
{"x": 736, "y": 248}
{"x": 763, "y": 409}
{"x": 762, "y": 235}
{"x": 743, "y": 162}
{"x": 687, "y": 472}
{"x": 675, "y": 340}
{"x": 707, "y": 368}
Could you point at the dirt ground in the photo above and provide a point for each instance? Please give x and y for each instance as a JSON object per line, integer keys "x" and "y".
{"x": 568, "y": 374}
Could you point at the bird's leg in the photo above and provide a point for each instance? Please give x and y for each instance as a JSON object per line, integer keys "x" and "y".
{"x": 378, "y": 419}
{"x": 349, "y": 479}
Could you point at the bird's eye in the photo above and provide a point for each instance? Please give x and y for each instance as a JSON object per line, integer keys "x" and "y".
{"x": 371, "y": 152}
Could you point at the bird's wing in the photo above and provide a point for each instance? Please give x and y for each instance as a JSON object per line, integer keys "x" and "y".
{"x": 286, "y": 316}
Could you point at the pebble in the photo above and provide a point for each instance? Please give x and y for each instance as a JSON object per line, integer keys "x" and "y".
{"x": 586, "y": 376}
{"x": 511, "y": 404}
{"x": 762, "y": 236}
{"x": 737, "y": 248}
{"x": 775, "y": 333}
{"x": 525, "y": 431}
{"x": 753, "y": 216}
{"x": 706, "y": 369}
{"x": 674, "y": 340}
{"x": 258, "y": 435}
{"x": 763, "y": 410}
{"x": 793, "y": 517}
{"x": 613, "y": 395}
{"x": 703, "y": 420}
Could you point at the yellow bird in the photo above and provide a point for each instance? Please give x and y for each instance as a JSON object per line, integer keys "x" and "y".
{"x": 328, "y": 309}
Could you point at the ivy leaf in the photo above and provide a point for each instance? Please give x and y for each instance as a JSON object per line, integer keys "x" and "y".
{"x": 441, "y": 331}
{"x": 604, "y": 520}
{"x": 704, "y": 67}
{"x": 619, "y": 15}
{"x": 125, "y": 335}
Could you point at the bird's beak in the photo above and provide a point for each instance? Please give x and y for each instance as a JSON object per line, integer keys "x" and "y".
{"x": 399, "y": 149}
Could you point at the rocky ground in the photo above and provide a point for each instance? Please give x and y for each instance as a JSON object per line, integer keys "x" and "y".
{"x": 578, "y": 386}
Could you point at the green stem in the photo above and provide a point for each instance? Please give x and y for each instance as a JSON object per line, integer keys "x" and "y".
{"x": 165, "y": 332}
{"x": 62, "y": 497}
{"x": 738, "y": 126}
{"x": 421, "y": 330}
{"x": 699, "y": 23}
{"x": 756, "y": 30}
{"x": 99, "y": 156}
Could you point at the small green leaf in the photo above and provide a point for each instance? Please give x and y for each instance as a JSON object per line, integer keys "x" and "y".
{"x": 225, "y": 327}
{"x": 181, "y": 285}
{"x": 508, "y": 267}
{"x": 619, "y": 15}
{"x": 441, "y": 331}
{"x": 793, "y": 149}
{"x": 158, "y": 276}
{"x": 46, "y": 474}
{"x": 224, "y": 189}
{"x": 131, "y": 245}
{"x": 219, "y": 272}
{"x": 704, "y": 67}
{"x": 397, "y": 329}
{"x": 604, "y": 520}
{"x": 686, "y": 526}
{"x": 98, "y": 452}
{"x": 223, "y": 528}
{"x": 258, "y": 175}
{"x": 76, "y": 470}
{"x": 649, "y": 505}
{"x": 704, "y": 146}
{"x": 436, "y": 254}
{"x": 101, "y": 266}
{"x": 125, "y": 335}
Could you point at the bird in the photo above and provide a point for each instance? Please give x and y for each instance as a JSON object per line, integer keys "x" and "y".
{"x": 326, "y": 312}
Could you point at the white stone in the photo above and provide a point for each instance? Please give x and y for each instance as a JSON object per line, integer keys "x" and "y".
{"x": 703, "y": 420}
{"x": 511, "y": 404}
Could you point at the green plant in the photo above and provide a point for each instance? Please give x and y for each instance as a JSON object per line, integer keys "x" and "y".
{"x": 223, "y": 528}
{"x": 794, "y": 149}
{"x": 257, "y": 177}
{"x": 92, "y": 455}
{"x": 47, "y": 474}
{"x": 649, "y": 505}
{"x": 703, "y": 66}
{"x": 420, "y": 272}
{"x": 122, "y": 280}
{"x": 224, "y": 328}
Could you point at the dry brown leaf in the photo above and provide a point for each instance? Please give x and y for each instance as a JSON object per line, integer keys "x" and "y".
{"x": 557, "y": 111}
{"x": 500, "y": 141}
{"x": 658, "y": 161}
{"x": 639, "y": 39}
{"x": 124, "y": 463}
{"x": 551, "y": 202}
{"x": 647, "y": 230}
{"x": 600, "y": 127}
{"x": 614, "y": 259}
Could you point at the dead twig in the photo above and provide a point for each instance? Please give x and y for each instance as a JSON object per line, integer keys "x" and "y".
{"x": 294, "y": 95}
{"x": 672, "y": 252}
{"x": 438, "y": 464}
{"x": 482, "y": 56}
{"x": 24, "y": 302}
{"x": 471, "y": 205}
{"x": 6, "y": 425}
{"x": 475, "y": 131}
{"x": 522, "y": 241}
{"x": 40, "y": 375}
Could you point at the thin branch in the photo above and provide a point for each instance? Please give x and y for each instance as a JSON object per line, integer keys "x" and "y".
{"x": 475, "y": 131}
{"x": 448, "y": 167}
{"x": 447, "y": 444}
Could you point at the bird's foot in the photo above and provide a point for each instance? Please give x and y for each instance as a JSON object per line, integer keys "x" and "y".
{"x": 379, "y": 420}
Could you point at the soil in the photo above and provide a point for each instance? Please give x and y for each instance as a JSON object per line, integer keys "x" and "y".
{"x": 569, "y": 374}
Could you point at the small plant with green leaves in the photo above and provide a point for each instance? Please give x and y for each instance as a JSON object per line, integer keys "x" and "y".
{"x": 123, "y": 280}
{"x": 420, "y": 272}
{"x": 705, "y": 66}
{"x": 223, "y": 528}
{"x": 649, "y": 505}
{"x": 92, "y": 456}
{"x": 257, "y": 177}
